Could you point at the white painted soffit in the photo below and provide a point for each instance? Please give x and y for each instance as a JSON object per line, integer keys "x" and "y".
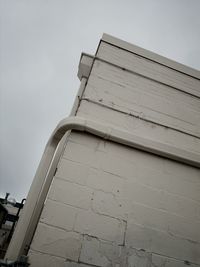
{"x": 150, "y": 55}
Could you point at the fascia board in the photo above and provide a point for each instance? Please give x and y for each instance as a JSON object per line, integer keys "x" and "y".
{"x": 150, "y": 55}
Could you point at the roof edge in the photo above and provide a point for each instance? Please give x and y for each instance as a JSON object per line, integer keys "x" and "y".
{"x": 85, "y": 65}
{"x": 151, "y": 55}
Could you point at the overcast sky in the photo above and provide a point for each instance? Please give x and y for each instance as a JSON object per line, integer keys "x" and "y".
{"x": 40, "y": 46}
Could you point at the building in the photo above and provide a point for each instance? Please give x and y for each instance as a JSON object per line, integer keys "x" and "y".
{"x": 9, "y": 215}
{"x": 122, "y": 188}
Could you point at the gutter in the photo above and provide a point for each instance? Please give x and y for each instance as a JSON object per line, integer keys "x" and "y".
{"x": 27, "y": 224}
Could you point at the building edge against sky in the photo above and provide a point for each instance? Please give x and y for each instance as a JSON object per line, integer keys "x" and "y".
{"x": 123, "y": 186}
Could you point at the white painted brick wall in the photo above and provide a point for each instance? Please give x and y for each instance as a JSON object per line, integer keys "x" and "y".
{"x": 162, "y": 243}
{"x": 59, "y": 215}
{"x": 73, "y": 171}
{"x": 57, "y": 242}
{"x": 139, "y": 127}
{"x": 129, "y": 93}
{"x": 70, "y": 193}
{"x": 45, "y": 260}
{"x": 141, "y": 204}
{"x": 101, "y": 253}
{"x": 158, "y": 260}
{"x": 112, "y": 205}
{"x": 104, "y": 227}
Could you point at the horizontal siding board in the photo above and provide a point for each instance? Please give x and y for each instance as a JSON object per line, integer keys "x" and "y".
{"x": 150, "y": 55}
{"x": 150, "y": 69}
{"x": 130, "y": 80}
{"x": 139, "y": 127}
{"x": 160, "y": 104}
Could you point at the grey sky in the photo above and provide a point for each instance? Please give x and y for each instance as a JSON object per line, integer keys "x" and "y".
{"x": 40, "y": 46}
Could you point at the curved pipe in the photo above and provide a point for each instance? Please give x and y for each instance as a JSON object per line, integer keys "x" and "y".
{"x": 44, "y": 175}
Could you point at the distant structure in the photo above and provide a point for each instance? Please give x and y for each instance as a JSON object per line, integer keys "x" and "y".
{"x": 9, "y": 214}
{"x": 118, "y": 183}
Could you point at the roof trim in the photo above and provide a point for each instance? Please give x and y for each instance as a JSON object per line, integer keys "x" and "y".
{"x": 151, "y": 56}
{"x": 85, "y": 65}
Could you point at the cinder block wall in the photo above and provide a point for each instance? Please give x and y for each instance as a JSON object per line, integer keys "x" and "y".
{"x": 112, "y": 205}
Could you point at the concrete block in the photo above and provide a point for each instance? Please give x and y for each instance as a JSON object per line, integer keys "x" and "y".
{"x": 164, "y": 221}
{"x": 72, "y": 171}
{"x": 107, "y": 182}
{"x": 137, "y": 258}
{"x": 161, "y": 261}
{"x": 117, "y": 255}
{"x": 91, "y": 253}
{"x": 84, "y": 154}
{"x": 112, "y": 163}
{"x": 170, "y": 183}
{"x": 146, "y": 160}
{"x": 57, "y": 242}
{"x": 79, "y": 153}
{"x": 159, "y": 199}
{"x": 100, "y": 226}
{"x": 37, "y": 259}
{"x": 146, "y": 195}
{"x": 109, "y": 204}
{"x": 182, "y": 206}
{"x": 85, "y": 139}
{"x": 159, "y": 242}
{"x": 59, "y": 215}
{"x": 100, "y": 253}
{"x": 70, "y": 193}
{"x": 75, "y": 264}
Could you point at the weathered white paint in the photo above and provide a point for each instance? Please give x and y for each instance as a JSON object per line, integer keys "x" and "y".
{"x": 111, "y": 204}
{"x": 85, "y": 65}
{"x": 150, "y": 55}
{"x": 136, "y": 95}
{"x": 139, "y": 126}
{"x": 134, "y": 193}
{"x": 145, "y": 67}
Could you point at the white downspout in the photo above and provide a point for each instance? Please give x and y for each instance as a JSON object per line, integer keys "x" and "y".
{"x": 43, "y": 178}
{"x": 13, "y": 250}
